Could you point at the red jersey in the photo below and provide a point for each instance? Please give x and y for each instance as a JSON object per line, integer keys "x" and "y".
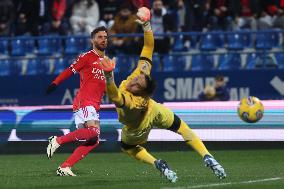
{"x": 92, "y": 80}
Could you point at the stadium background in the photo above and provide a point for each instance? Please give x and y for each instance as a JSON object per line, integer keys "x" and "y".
{"x": 250, "y": 57}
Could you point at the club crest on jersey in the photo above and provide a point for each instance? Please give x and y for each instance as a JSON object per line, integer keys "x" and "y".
{"x": 145, "y": 68}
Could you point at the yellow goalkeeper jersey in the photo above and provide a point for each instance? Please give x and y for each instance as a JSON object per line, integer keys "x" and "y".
{"x": 137, "y": 107}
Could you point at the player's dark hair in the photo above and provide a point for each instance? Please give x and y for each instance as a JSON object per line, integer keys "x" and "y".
{"x": 98, "y": 29}
{"x": 219, "y": 78}
{"x": 151, "y": 85}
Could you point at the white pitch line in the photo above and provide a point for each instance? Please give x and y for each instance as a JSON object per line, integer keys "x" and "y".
{"x": 224, "y": 184}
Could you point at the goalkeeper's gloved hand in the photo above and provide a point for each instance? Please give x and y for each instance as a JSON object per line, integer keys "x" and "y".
{"x": 144, "y": 16}
{"x": 51, "y": 88}
{"x": 108, "y": 65}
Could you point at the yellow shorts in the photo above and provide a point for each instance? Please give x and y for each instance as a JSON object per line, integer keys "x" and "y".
{"x": 159, "y": 116}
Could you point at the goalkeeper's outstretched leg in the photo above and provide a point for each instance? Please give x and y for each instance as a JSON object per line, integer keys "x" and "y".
{"x": 141, "y": 154}
{"x": 194, "y": 141}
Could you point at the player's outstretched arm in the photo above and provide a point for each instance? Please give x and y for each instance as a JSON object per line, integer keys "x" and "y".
{"x": 114, "y": 95}
{"x": 143, "y": 15}
{"x": 61, "y": 77}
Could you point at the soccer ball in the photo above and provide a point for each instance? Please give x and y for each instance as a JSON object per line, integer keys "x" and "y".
{"x": 250, "y": 109}
{"x": 144, "y": 14}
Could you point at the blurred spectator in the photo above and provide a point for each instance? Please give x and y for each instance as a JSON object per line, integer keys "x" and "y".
{"x": 85, "y": 16}
{"x": 161, "y": 22}
{"x": 192, "y": 16}
{"x": 6, "y": 17}
{"x": 219, "y": 15}
{"x": 31, "y": 15}
{"x": 245, "y": 13}
{"x": 181, "y": 11}
{"x": 196, "y": 14}
{"x": 124, "y": 22}
{"x": 56, "y": 24}
{"x": 108, "y": 10}
{"x": 265, "y": 20}
{"x": 218, "y": 92}
{"x": 140, "y": 3}
{"x": 279, "y": 20}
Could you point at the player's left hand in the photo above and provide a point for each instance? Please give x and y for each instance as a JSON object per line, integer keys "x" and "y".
{"x": 51, "y": 88}
{"x": 108, "y": 65}
{"x": 143, "y": 15}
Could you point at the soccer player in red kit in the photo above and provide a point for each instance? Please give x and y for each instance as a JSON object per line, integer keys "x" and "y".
{"x": 86, "y": 103}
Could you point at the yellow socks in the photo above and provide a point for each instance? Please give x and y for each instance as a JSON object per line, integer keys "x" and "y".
{"x": 141, "y": 154}
{"x": 192, "y": 139}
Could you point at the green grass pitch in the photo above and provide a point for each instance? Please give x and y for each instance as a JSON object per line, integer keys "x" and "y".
{"x": 258, "y": 169}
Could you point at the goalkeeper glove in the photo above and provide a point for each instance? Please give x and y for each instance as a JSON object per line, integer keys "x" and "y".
{"x": 108, "y": 65}
{"x": 51, "y": 88}
{"x": 144, "y": 15}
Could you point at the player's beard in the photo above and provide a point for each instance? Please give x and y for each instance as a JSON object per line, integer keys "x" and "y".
{"x": 100, "y": 47}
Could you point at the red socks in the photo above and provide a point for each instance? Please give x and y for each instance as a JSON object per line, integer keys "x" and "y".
{"x": 79, "y": 153}
{"x": 91, "y": 135}
{"x": 79, "y": 134}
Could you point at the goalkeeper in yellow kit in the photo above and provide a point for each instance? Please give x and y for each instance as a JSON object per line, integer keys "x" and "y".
{"x": 139, "y": 113}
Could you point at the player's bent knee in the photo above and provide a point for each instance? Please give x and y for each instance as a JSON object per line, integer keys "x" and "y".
{"x": 176, "y": 124}
{"x": 125, "y": 147}
{"x": 92, "y": 141}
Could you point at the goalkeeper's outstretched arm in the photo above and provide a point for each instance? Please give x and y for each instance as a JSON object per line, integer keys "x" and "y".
{"x": 143, "y": 15}
{"x": 113, "y": 93}
{"x": 148, "y": 48}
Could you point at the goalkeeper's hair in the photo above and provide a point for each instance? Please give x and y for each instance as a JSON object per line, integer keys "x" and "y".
{"x": 151, "y": 85}
{"x": 98, "y": 29}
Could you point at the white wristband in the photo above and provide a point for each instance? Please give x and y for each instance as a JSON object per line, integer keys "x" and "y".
{"x": 146, "y": 26}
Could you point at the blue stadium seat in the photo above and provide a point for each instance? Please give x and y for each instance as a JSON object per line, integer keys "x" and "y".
{"x": 263, "y": 41}
{"x": 59, "y": 65}
{"x": 4, "y": 67}
{"x": 56, "y": 44}
{"x": 208, "y": 42}
{"x": 49, "y": 44}
{"x": 123, "y": 64}
{"x": 4, "y": 47}
{"x": 275, "y": 36}
{"x": 248, "y": 38}
{"x": 45, "y": 66}
{"x": 269, "y": 61}
{"x": 18, "y": 47}
{"x": 29, "y": 45}
{"x": 84, "y": 43}
{"x": 194, "y": 40}
{"x": 229, "y": 61}
{"x": 16, "y": 66}
{"x": 235, "y": 41}
{"x": 179, "y": 61}
{"x": 32, "y": 67}
{"x": 201, "y": 62}
{"x": 279, "y": 56}
{"x": 72, "y": 45}
{"x": 168, "y": 63}
{"x": 220, "y": 39}
{"x": 253, "y": 61}
{"x": 156, "y": 63}
{"x": 178, "y": 44}
{"x": 44, "y": 47}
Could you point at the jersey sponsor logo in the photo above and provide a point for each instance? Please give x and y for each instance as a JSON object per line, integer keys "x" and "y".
{"x": 98, "y": 74}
